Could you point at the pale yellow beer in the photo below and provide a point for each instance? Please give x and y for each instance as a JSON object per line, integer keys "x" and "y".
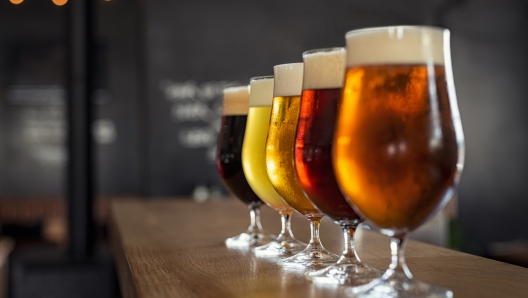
{"x": 253, "y": 149}
{"x": 281, "y": 140}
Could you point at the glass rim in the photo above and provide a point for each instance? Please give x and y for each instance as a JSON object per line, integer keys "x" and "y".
{"x": 323, "y": 50}
{"x": 261, "y": 78}
{"x": 384, "y": 28}
{"x": 284, "y": 64}
{"x": 235, "y": 86}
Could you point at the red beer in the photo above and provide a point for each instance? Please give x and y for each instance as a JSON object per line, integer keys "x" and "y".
{"x": 313, "y": 149}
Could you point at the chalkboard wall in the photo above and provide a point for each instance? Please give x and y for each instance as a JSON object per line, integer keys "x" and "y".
{"x": 194, "y": 48}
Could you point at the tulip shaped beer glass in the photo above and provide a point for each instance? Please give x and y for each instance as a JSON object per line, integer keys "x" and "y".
{"x": 229, "y": 164}
{"x": 280, "y": 165}
{"x": 254, "y": 164}
{"x": 399, "y": 146}
{"x": 324, "y": 72}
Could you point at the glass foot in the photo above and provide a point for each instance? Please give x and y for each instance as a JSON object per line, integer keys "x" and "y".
{"x": 280, "y": 248}
{"x": 345, "y": 274}
{"x": 310, "y": 259}
{"x": 249, "y": 239}
{"x": 398, "y": 288}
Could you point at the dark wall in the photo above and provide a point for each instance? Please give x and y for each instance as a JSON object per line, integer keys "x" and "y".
{"x": 32, "y": 84}
{"x": 31, "y": 127}
{"x": 119, "y": 154}
{"x": 211, "y": 43}
{"x": 490, "y": 62}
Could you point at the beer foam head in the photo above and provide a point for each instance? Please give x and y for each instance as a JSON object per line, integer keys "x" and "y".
{"x": 397, "y": 45}
{"x": 236, "y": 100}
{"x": 261, "y": 91}
{"x": 324, "y": 68}
{"x": 288, "y": 79}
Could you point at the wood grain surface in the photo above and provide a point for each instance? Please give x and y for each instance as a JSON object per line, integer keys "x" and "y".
{"x": 175, "y": 248}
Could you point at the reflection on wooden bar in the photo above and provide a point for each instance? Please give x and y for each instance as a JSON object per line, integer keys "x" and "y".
{"x": 175, "y": 249}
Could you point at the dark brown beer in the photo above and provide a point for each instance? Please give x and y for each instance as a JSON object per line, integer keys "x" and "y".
{"x": 396, "y": 150}
{"x": 229, "y": 158}
{"x": 313, "y": 147}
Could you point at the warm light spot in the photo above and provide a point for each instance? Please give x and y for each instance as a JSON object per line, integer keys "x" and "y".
{"x": 59, "y": 2}
{"x": 16, "y": 1}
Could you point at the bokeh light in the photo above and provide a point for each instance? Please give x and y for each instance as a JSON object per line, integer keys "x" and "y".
{"x": 59, "y": 2}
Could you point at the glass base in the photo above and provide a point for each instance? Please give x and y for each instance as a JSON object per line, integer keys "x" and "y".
{"x": 398, "y": 288}
{"x": 245, "y": 240}
{"x": 280, "y": 248}
{"x": 353, "y": 274}
{"x": 310, "y": 259}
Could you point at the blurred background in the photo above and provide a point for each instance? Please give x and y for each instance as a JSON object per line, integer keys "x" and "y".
{"x": 159, "y": 68}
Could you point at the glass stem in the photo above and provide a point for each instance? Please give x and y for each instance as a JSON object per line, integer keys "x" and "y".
{"x": 398, "y": 268}
{"x": 315, "y": 241}
{"x": 349, "y": 252}
{"x": 255, "y": 225}
{"x": 286, "y": 232}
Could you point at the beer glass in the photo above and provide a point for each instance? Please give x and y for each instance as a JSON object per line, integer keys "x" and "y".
{"x": 324, "y": 72}
{"x": 229, "y": 164}
{"x": 280, "y": 165}
{"x": 399, "y": 146}
{"x": 254, "y": 165}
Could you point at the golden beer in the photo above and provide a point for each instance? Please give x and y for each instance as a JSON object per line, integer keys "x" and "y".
{"x": 280, "y": 145}
{"x": 280, "y": 148}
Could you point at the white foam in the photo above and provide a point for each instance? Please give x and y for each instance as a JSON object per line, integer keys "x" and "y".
{"x": 236, "y": 100}
{"x": 324, "y": 69}
{"x": 397, "y": 45}
{"x": 288, "y": 79}
{"x": 261, "y": 91}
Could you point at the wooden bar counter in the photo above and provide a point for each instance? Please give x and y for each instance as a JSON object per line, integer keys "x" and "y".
{"x": 175, "y": 248}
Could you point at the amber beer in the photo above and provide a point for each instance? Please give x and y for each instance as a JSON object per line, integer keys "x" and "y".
{"x": 281, "y": 139}
{"x": 230, "y": 140}
{"x": 323, "y": 78}
{"x": 396, "y": 146}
